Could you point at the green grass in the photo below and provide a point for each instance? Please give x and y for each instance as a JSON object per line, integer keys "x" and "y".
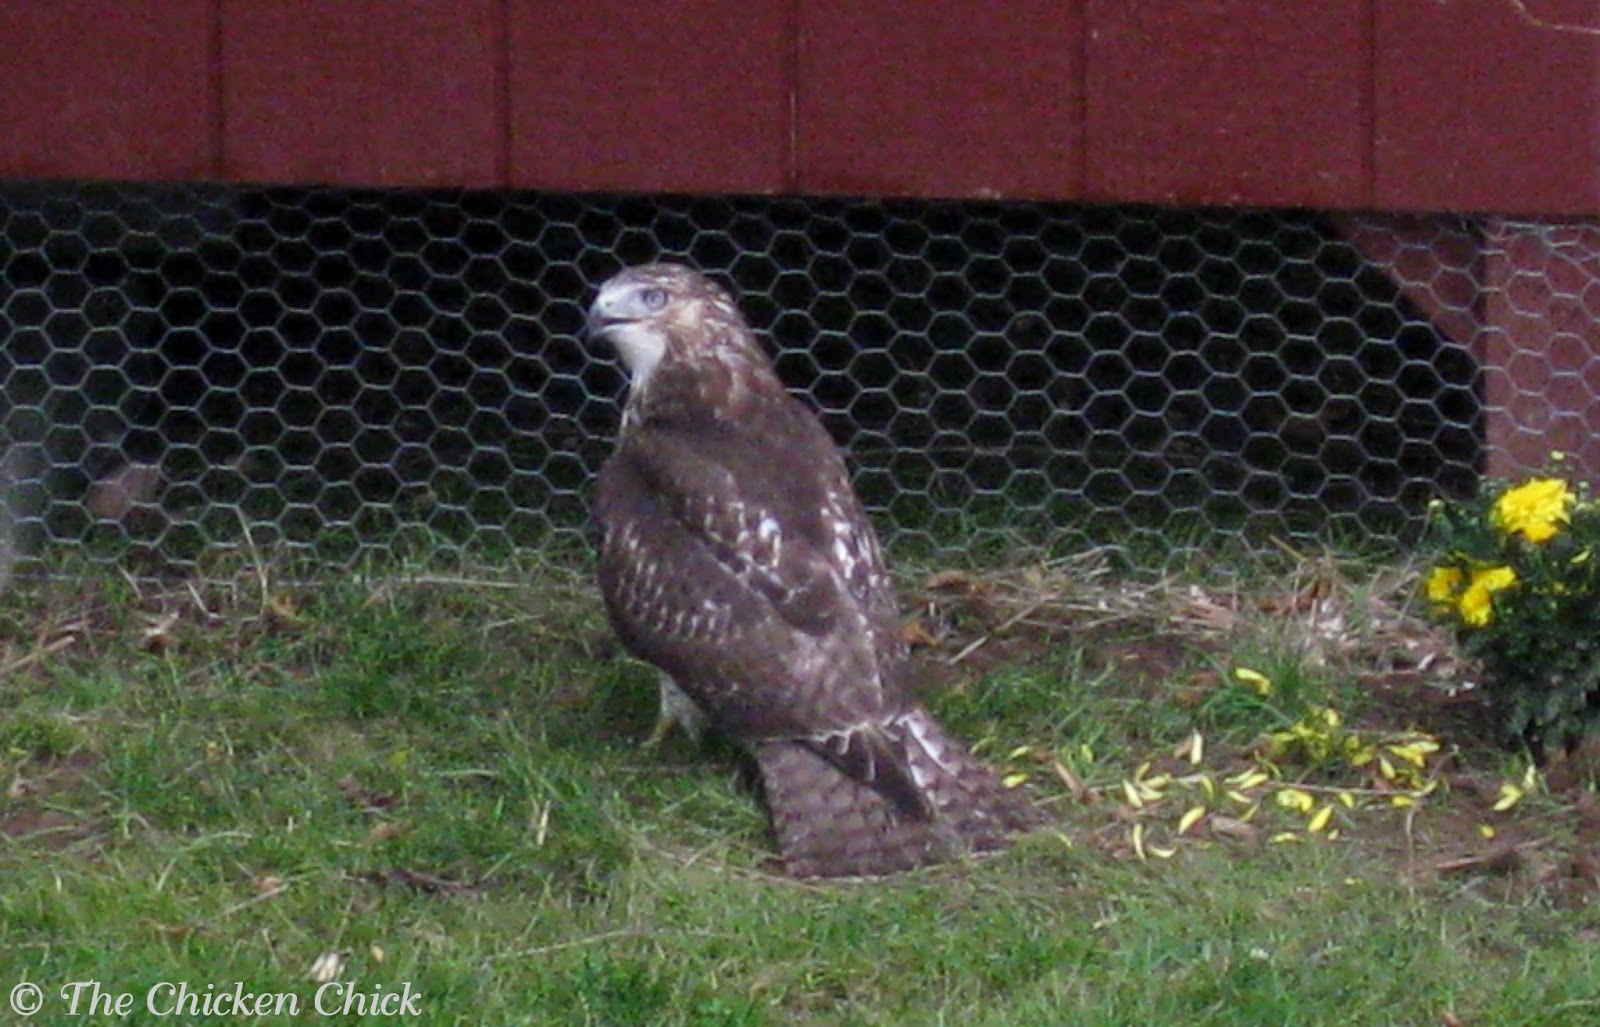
{"x": 439, "y": 780}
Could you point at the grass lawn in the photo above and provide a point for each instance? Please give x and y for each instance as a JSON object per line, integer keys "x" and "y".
{"x": 434, "y": 782}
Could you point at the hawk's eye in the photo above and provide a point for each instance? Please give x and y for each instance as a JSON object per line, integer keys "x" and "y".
{"x": 653, "y": 299}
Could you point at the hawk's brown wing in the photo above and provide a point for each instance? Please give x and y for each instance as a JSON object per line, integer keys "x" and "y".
{"x": 734, "y": 576}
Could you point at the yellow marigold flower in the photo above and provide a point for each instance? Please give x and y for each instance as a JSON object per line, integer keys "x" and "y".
{"x": 1475, "y": 610}
{"x": 1535, "y": 509}
{"x": 1444, "y": 583}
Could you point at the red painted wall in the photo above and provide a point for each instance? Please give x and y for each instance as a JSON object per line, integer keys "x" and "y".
{"x": 376, "y": 92}
{"x": 931, "y": 99}
{"x": 1229, "y": 102}
{"x": 1488, "y": 105}
{"x": 617, "y": 95}
{"x": 99, "y": 89}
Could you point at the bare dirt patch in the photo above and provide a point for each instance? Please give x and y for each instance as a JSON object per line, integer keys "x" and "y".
{"x": 30, "y": 810}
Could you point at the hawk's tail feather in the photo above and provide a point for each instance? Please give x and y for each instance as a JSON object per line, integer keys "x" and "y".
{"x": 831, "y": 825}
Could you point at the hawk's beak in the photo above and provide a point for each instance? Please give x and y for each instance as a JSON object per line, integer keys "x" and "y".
{"x": 602, "y": 318}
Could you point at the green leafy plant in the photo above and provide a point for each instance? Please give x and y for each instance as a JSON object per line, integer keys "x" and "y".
{"x": 1520, "y": 582}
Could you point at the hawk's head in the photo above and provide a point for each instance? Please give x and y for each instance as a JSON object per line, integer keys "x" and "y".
{"x": 653, "y": 309}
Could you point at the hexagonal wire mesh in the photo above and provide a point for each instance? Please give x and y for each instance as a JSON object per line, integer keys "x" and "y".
{"x": 339, "y": 373}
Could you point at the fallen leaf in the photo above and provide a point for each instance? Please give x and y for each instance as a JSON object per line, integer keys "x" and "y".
{"x": 1231, "y": 828}
{"x": 944, "y": 580}
{"x": 420, "y": 880}
{"x": 383, "y": 831}
{"x": 1510, "y": 795}
{"x": 326, "y": 967}
{"x": 1074, "y": 784}
{"x": 281, "y": 611}
{"x": 368, "y": 799}
{"x": 1190, "y": 818}
{"x": 1501, "y": 860}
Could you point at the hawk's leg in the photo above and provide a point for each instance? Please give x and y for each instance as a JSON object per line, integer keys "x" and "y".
{"x": 680, "y": 710}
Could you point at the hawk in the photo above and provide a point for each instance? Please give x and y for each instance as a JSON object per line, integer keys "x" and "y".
{"x": 736, "y": 558}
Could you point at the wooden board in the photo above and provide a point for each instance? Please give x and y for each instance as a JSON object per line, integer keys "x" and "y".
{"x": 623, "y": 96}
{"x": 362, "y": 92}
{"x": 1488, "y": 106}
{"x": 108, "y": 89}
{"x": 1249, "y": 102}
{"x": 940, "y": 99}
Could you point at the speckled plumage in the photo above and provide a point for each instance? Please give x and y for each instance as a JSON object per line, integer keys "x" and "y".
{"x": 735, "y": 557}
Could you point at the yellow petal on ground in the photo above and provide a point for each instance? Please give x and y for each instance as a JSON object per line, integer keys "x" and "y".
{"x": 1013, "y": 780}
{"x": 1530, "y": 778}
{"x": 1402, "y": 801}
{"x": 1137, "y": 838}
{"x": 1019, "y": 752}
{"x": 1347, "y": 800}
{"x": 1253, "y": 679}
{"x": 1131, "y": 793}
{"x": 1193, "y": 749}
{"x": 1190, "y": 818}
{"x": 1240, "y": 797}
{"x": 1510, "y": 795}
{"x": 1160, "y": 852}
{"x": 1487, "y": 830}
{"x": 1319, "y": 820}
{"x": 1286, "y": 836}
{"x": 1250, "y": 814}
{"x": 1385, "y": 768}
{"x": 1416, "y": 753}
{"x": 1360, "y": 753}
{"x": 1249, "y": 779}
{"x": 1295, "y": 799}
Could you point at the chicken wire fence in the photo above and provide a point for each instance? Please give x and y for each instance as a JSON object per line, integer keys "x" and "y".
{"x": 342, "y": 375}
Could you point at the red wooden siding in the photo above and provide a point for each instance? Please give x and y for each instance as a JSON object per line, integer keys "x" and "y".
{"x": 106, "y": 89}
{"x": 1488, "y": 106}
{"x": 936, "y": 99}
{"x": 1392, "y": 104}
{"x": 1228, "y": 102}
{"x": 653, "y": 97}
{"x": 362, "y": 92}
